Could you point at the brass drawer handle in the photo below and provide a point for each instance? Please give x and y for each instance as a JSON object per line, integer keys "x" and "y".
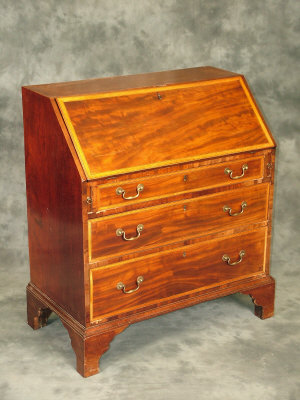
{"x": 120, "y": 191}
{"x": 226, "y": 258}
{"x": 229, "y": 210}
{"x": 121, "y": 286}
{"x": 229, "y": 172}
{"x": 121, "y": 232}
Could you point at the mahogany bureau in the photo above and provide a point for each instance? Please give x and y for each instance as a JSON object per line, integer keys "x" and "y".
{"x": 146, "y": 194}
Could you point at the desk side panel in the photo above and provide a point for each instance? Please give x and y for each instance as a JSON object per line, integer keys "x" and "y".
{"x": 54, "y": 208}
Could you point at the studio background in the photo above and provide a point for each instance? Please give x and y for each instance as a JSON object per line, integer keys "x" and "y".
{"x": 216, "y": 350}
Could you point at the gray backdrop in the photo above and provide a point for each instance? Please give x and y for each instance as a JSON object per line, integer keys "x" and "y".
{"x": 217, "y": 350}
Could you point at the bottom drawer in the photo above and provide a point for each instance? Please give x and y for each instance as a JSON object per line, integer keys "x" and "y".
{"x": 172, "y": 273}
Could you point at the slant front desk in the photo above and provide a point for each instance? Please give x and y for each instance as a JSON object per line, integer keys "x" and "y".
{"x": 146, "y": 194}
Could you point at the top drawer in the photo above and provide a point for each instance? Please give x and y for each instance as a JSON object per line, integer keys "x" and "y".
{"x": 148, "y": 188}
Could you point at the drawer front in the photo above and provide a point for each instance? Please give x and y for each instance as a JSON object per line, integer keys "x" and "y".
{"x": 137, "y": 190}
{"x": 176, "y": 222}
{"x": 172, "y": 273}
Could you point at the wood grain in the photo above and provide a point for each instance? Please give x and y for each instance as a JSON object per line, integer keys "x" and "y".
{"x": 167, "y": 127}
{"x": 105, "y": 196}
{"x": 176, "y": 221}
{"x": 175, "y": 132}
{"x": 172, "y": 273}
{"x": 178, "y": 167}
{"x": 104, "y": 329}
{"x": 89, "y": 349}
{"x": 263, "y": 298}
{"x": 270, "y": 167}
{"x": 54, "y": 207}
{"x": 37, "y": 312}
{"x": 119, "y": 83}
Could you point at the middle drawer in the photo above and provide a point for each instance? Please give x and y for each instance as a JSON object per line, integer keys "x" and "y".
{"x": 169, "y": 223}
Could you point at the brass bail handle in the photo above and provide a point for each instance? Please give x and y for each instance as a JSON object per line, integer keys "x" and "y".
{"x": 120, "y": 191}
{"x": 226, "y": 258}
{"x": 229, "y": 210}
{"x": 121, "y": 286}
{"x": 229, "y": 172}
{"x": 121, "y": 232}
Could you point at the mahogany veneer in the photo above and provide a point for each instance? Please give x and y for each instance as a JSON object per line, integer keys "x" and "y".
{"x": 146, "y": 194}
